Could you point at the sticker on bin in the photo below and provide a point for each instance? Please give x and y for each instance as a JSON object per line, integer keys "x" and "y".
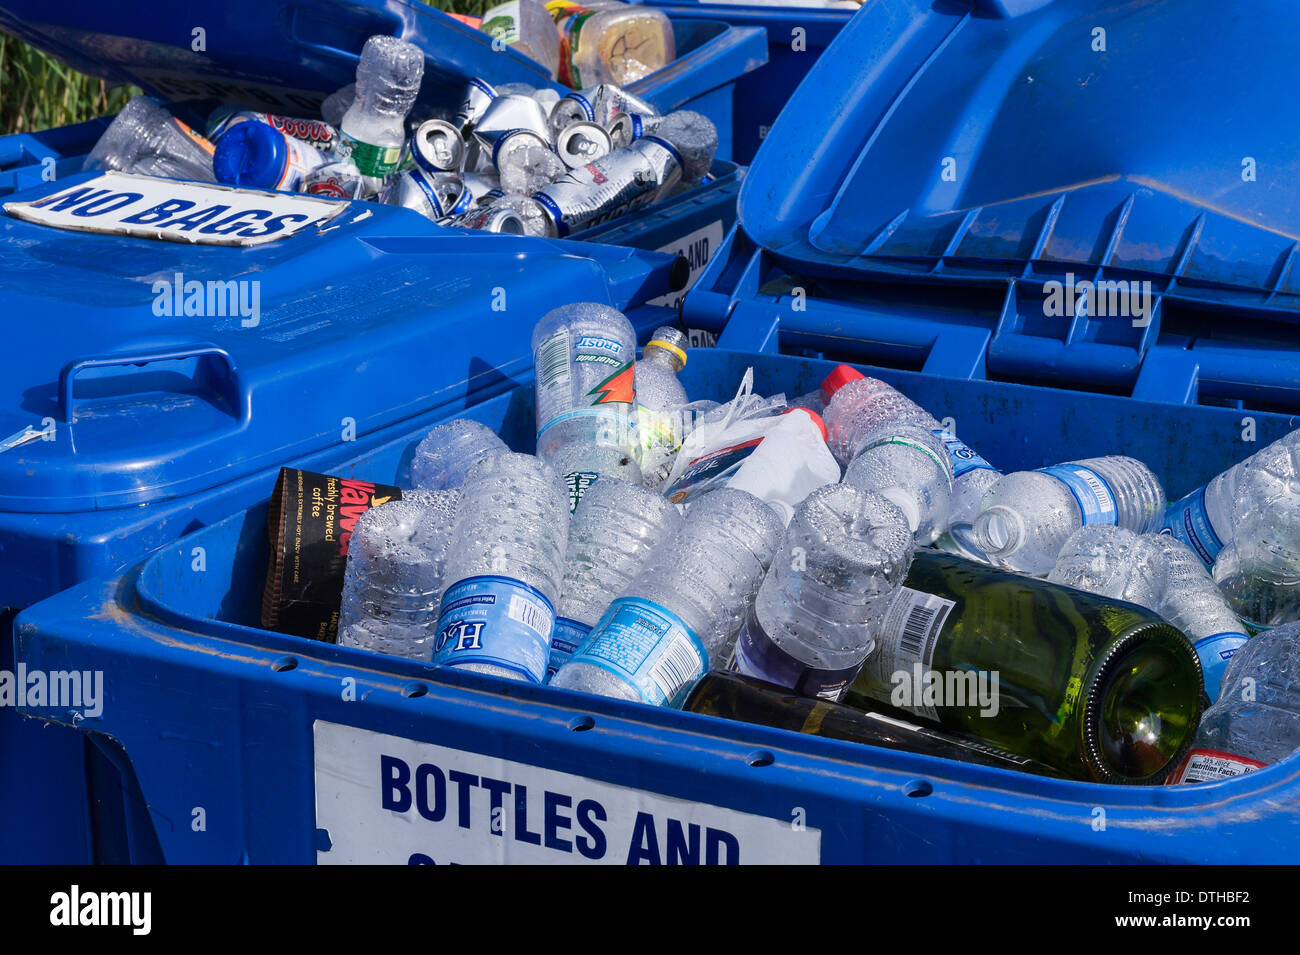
{"x": 120, "y": 203}
{"x": 697, "y": 248}
{"x": 388, "y": 799}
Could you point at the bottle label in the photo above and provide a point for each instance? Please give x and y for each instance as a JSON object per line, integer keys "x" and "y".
{"x": 566, "y": 638}
{"x": 498, "y": 621}
{"x": 1211, "y": 765}
{"x": 376, "y": 161}
{"x": 710, "y": 471}
{"x": 577, "y": 482}
{"x": 908, "y": 634}
{"x": 570, "y": 18}
{"x": 555, "y": 360}
{"x": 649, "y": 647}
{"x": 963, "y": 458}
{"x": 199, "y": 139}
{"x": 1189, "y": 521}
{"x": 758, "y": 655}
{"x": 502, "y": 22}
{"x": 909, "y": 443}
{"x": 1095, "y": 497}
{"x": 1214, "y": 652}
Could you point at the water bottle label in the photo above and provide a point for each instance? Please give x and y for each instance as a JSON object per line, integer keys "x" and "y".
{"x": 710, "y": 471}
{"x": 567, "y": 637}
{"x": 649, "y": 647}
{"x": 497, "y": 621}
{"x": 758, "y": 655}
{"x": 1095, "y": 497}
{"x": 1189, "y": 522}
{"x": 908, "y": 634}
{"x": 1214, "y": 652}
{"x": 370, "y": 160}
{"x": 908, "y": 442}
{"x": 963, "y": 458}
{"x": 577, "y": 482}
{"x": 1211, "y": 765}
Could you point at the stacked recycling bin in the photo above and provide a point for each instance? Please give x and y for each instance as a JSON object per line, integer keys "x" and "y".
{"x": 924, "y": 214}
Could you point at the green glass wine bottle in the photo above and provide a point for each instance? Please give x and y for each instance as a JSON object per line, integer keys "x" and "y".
{"x": 734, "y": 696}
{"x": 1097, "y": 688}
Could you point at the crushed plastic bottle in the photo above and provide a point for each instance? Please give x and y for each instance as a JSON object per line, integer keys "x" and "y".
{"x": 146, "y": 139}
{"x": 909, "y": 465}
{"x": 373, "y": 130}
{"x": 446, "y": 454}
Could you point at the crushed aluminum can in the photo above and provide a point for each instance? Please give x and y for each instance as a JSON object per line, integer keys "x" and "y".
{"x": 513, "y": 141}
{"x": 493, "y": 219}
{"x": 508, "y": 113}
{"x": 627, "y": 128}
{"x": 581, "y": 143}
{"x": 338, "y": 180}
{"x": 597, "y": 104}
{"x": 439, "y": 198}
{"x": 478, "y": 97}
{"x": 480, "y": 186}
{"x": 437, "y": 146}
{"x": 611, "y": 186}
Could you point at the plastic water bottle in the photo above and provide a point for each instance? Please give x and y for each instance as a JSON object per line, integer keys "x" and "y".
{"x": 144, "y": 138}
{"x": 660, "y": 398}
{"x": 259, "y": 155}
{"x": 615, "y": 530}
{"x": 1256, "y": 721}
{"x": 1193, "y": 604}
{"x": 1026, "y": 517}
{"x": 908, "y": 465}
{"x": 446, "y": 454}
{"x": 373, "y": 129}
{"x": 1113, "y": 562}
{"x": 817, "y": 401}
{"x": 393, "y": 582}
{"x": 336, "y": 105}
{"x": 583, "y": 357}
{"x": 843, "y": 558}
{"x": 679, "y": 616}
{"x": 504, "y": 567}
{"x": 1258, "y": 569}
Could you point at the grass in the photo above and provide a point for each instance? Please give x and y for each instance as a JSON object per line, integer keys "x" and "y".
{"x": 38, "y": 92}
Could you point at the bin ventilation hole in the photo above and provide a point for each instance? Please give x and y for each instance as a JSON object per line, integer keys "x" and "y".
{"x": 413, "y": 690}
{"x": 917, "y": 788}
{"x": 284, "y": 663}
{"x": 580, "y": 724}
{"x": 760, "y": 757}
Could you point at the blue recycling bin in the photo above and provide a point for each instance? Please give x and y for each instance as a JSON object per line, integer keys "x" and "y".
{"x": 142, "y": 418}
{"x": 947, "y": 203}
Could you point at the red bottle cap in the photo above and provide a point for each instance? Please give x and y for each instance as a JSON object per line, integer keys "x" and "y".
{"x": 840, "y": 376}
{"x": 816, "y": 419}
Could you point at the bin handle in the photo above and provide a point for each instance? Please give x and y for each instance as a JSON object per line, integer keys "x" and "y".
{"x": 68, "y": 375}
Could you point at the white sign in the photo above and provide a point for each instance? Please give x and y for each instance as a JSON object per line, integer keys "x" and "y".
{"x": 120, "y": 203}
{"x": 698, "y": 247}
{"x": 387, "y": 799}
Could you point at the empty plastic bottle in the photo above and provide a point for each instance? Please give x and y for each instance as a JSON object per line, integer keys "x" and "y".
{"x": 144, "y": 138}
{"x": 1026, "y": 517}
{"x": 1256, "y": 721}
{"x": 527, "y": 26}
{"x": 908, "y": 465}
{"x": 259, "y": 155}
{"x": 503, "y": 571}
{"x": 373, "y": 130}
{"x": 583, "y": 357}
{"x": 337, "y": 103}
{"x": 660, "y": 398}
{"x": 1193, "y": 604}
{"x": 615, "y": 530}
{"x": 843, "y": 558}
{"x": 393, "y": 583}
{"x": 695, "y": 138}
{"x": 816, "y": 401}
{"x": 679, "y": 616}
{"x": 1113, "y": 562}
{"x": 447, "y": 453}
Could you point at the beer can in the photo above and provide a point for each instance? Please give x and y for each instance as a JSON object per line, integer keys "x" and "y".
{"x": 439, "y": 197}
{"x": 581, "y": 143}
{"x": 437, "y": 146}
{"x": 597, "y": 104}
{"x": 493, "y": 219}
{"x": 624, "y": 180}
{"x": 478, "y": 97}
{"x": 479, "y": 185}
{"x": 514, "y": 141}
{"x": 337, "y": 180}
{"x": 313, "y": 132}
{"x": 508, "y": 113}
{"x": 627, "y": 128}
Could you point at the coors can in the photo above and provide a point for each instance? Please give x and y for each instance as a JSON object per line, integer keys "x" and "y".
{"x": 615, "y": 184}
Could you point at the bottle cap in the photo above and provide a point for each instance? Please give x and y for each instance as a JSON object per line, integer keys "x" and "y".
{"x": 251, "y": 154}
{"x": 816, "y": 419}
{"x": 840, "y": 376}
{"x": 671, "y": 340}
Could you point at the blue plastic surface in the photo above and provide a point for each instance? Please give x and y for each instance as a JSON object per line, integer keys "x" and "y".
{"x": 948, "y": 173}
{"x": 191, "y": 681}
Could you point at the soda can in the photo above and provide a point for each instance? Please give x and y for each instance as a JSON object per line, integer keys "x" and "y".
{"x": 337, "y": 180}
{"x": 478, "y": 97}
{"x": 581, "y": 143}
{"x": 508, "y": 113}
{"x": 439, "y": 198}
{"x": 437, "y": 146}
{"x": 624, "y": 180}
{"x": 514, "y": 141}
{"x": 493, "y": 219}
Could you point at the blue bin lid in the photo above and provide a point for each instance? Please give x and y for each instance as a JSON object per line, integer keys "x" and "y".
{"x": 1005, "y": 144}
{"x": 279, "y": 55}
{"x": 114, "y": 392}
